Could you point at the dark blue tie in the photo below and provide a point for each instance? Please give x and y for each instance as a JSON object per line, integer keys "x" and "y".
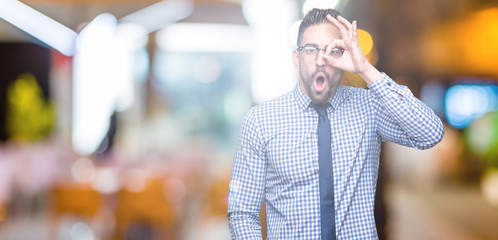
{"x": 327, "y": 211}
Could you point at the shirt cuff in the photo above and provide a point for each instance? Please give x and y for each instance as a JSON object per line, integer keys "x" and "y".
{"x": 386, "y": 87}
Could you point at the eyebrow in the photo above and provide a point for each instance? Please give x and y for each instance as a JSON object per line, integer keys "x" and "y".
{"x": 310, "y": 45}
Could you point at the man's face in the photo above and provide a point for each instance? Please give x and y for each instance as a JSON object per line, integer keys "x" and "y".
{"x": 319, "y": 80}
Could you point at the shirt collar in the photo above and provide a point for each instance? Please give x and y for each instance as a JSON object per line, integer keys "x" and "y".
{"x": 338, "y": 97}
{"x": 304, "y": 101}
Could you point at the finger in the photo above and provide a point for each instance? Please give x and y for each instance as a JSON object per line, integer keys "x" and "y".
{"x": 333, "y": 44}
{"x": 345, "y": 22}
{"x": 355, "y": 30}
{"x": 330, "y": 18}
{"x": 352, "y": 28}
{"x": 349, "y": 26}
{"x": 355, "y": 39}
{"x": 342, "y": 29}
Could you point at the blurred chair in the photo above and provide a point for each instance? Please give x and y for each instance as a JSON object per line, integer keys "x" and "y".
{"x": 76, "y": 200}
{"x": 144, "y": 214}
{"x": 70, "y": 202}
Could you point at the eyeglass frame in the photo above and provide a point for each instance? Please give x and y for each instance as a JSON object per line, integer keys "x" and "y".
{"x": 300, "y": 48}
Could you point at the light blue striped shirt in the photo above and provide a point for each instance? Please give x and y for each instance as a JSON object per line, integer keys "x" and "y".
{"x": 277, "y": 159}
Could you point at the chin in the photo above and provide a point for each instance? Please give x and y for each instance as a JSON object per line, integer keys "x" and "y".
{"x": 319, "y": 99}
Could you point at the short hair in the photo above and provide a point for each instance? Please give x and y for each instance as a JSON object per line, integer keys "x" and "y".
{"x": 315, "y": 16}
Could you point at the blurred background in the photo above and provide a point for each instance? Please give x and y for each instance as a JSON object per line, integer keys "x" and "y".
{"x": 119, "y": 118}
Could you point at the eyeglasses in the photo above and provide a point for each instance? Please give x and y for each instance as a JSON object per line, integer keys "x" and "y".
{"x": 310, "y": 51}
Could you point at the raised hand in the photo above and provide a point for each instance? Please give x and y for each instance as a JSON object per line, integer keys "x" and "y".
{"x": 353, "y": 60}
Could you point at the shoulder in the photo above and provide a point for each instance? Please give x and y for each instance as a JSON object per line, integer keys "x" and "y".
{"x": 360, "y": 98}
{"x": 273, "y": 106}
{"x": 269, "y": 116}
{"x": 356, "y": 93}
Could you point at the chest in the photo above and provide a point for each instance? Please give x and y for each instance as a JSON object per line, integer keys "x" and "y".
{"x": 292, "y": 148}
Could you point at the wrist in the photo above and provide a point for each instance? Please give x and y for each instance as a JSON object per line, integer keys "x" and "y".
{"x": 370, "y": 74}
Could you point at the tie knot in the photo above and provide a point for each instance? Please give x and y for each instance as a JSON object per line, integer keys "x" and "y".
{"x": 320, "y": 109}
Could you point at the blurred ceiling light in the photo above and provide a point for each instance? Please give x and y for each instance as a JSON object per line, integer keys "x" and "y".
{"x": 322, "y": 4}
{"x": 100, "y": 28}
{"x": 104, "y": 77}
{"x": 160, "y": 14}
{"x": 39, "y": 26}
{"x": 131, "y": 36}
{"x": 272, "y": 71}
{"x": 205, "y": 37}
{"x": 106, "y": 66}
{"x": 93, "y": 85}
{"x": 268, "y": 14}
{"x": 129, "y": 40}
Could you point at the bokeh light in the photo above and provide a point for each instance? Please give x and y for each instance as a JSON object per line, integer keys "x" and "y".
{"x": 83, "y": 170}
{"x": 366, "y": 41}
{"x": 310, "y": 4}
{"x": 464, "y": 103}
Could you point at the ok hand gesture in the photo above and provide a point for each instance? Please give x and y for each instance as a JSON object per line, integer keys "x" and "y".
{"x": 353, "y": 60}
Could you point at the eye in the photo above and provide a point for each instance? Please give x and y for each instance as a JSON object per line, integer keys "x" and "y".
{"x": 310, "y": 50}
{"x": 337, "y": 51}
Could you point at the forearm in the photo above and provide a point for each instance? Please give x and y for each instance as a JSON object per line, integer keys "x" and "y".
{"x": 369, "y": 74}
{"x": 244, "y": 225}
{"x": 423, "y": 129}
{"x": 420, "y": 123}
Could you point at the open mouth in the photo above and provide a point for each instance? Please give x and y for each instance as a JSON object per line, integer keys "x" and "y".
{"x": 319, "y": 82}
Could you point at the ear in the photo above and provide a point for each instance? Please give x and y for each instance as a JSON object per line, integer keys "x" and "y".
{"x": 295, "y": 58}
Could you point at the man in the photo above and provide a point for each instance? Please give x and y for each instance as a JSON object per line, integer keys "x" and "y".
{"x": 320, "y": 184}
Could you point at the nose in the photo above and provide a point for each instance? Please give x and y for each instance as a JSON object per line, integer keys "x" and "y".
{"x": 320, "y": 59}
